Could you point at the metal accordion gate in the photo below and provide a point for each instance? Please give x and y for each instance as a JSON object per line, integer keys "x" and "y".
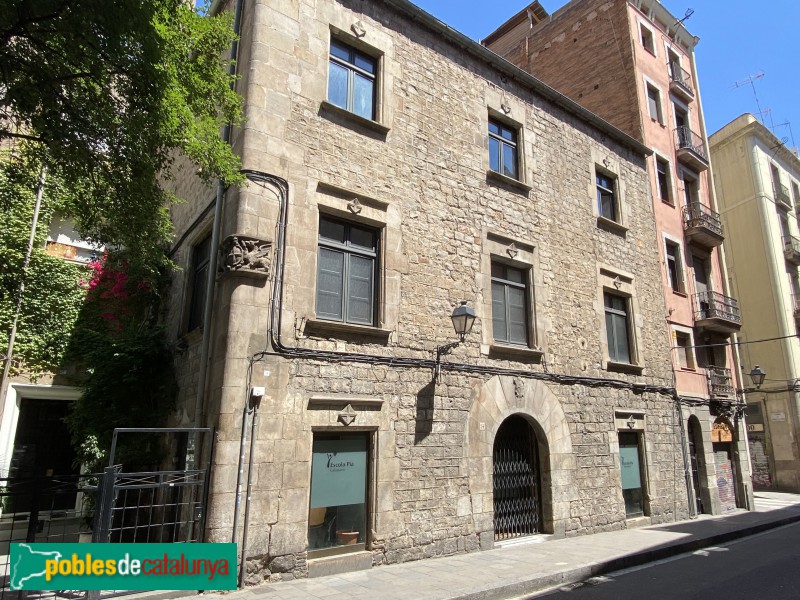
{"x": 516, "y": 483}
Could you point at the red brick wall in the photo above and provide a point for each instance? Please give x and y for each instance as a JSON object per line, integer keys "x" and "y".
{"x": 584, "y": 51}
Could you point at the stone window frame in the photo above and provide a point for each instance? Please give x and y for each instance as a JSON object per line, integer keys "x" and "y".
{"x": 500, "y": 248}
{"x": 688, "y": 351}
{"x": 190, "y": 286}
{"x": 378, "y": 45}
{"x": 649, "y": 85}
{"x": 343, "y": 204}
{"x": 609, "y": 165}
{"x": 675, "y": 242}
{"x": 506, "y": 113}
{"x": 620, "y": 283}
{"x": 660, "y": 157}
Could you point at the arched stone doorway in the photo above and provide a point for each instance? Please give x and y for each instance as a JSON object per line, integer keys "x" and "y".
{"x": 516, "y": 484}
{"x": 722, "y": 439}
{"x": 697, "y": 463}
{"x": 494, "y": 403}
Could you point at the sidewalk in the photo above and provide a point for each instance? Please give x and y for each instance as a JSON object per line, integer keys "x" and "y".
{"x": 525, "y": 568}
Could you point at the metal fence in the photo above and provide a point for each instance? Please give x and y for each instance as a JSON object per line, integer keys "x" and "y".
{"x": 56, "y": 509}
{"x": 113, "y": 506}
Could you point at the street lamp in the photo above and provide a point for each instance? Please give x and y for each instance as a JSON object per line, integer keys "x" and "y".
{"x": 757, "y": 374}
{"x": 463, "y": 318}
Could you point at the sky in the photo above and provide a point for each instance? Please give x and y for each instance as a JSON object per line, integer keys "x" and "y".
{"x": 738, "y": 40}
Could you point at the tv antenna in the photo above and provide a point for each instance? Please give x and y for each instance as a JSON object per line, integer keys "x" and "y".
{"x": 689, "y": 12}
{"x": 751, "y": 81}
{"x": 788, "y": 125}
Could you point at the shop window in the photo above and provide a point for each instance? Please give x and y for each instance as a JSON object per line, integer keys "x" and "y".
{"x": 337, "y": 518}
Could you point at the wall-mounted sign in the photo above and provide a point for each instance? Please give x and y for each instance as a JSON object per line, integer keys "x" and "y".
{"x": 777, "y": 416}
{"x": 755, "y": 427}
{"x": 721, "y": 432}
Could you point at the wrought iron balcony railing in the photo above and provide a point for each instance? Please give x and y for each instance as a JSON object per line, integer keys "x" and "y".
{"x": 713, "y": 306}
{"x": 690, "y": 145}
{"x": 681, "y": 78}
{"x": 791, "y": 249}
{"x": 720, "y": 382}
{"x": 700, "y": 222}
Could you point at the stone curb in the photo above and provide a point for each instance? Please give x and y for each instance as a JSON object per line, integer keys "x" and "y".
{"x": 578, "y": 574}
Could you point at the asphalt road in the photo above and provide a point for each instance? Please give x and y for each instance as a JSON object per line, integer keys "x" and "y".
{"x": 761, "y": 567}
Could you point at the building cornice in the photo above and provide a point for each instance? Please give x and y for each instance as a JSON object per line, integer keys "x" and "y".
{"x": 747, "y": 125}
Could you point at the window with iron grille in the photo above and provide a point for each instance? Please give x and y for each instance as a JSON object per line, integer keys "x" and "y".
{"x": 607, "y": 196}
{"x": 201, "y": 257}
{"x": 352, "y": 76}
{"x": 617, "y": 327}
{"x": 510, "y": 296}
{"x": 346, "y": 272}
{"x": 503, "y": 155}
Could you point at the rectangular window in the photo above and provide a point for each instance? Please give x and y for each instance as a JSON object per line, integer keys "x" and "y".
{"x": 683, "y": 350}
{"x": 503, "y": 156}
{"x": 606, "y": 196}
{"x": 631, "y": 471}
{"x": 352, "y": 80}
{"x": 663, "y": 179}
{"x": 617, "y": 328}
{"x": 674, "y": 264}
{"x": 654, "y": 104}
{"x": 201, "y": 256}
{"x": 337, "y": 517}
{"x": 647, "y": 39}
{"x": 509, "y": 304}
{"x": 346, "y": 267}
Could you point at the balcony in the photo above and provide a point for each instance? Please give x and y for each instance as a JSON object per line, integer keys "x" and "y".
{"x": 791, "y": 250}
{"x": 720, "y": 383}
{"x": 702, "y": 226}
{"x": 680, "y": 82}
{"x": 782, "y": 195}
{"x": 715, "y": 312}
{"x": 796, "y": 306}
{"x": 691, "y": 149}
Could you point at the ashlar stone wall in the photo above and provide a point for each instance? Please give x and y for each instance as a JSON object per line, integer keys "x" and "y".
{"x": 419, "y": 177}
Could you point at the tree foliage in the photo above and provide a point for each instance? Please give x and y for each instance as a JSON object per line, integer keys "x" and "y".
{"x": 112, "y": 91}
{"x": 130, "y": 380}
{"x": 53, "y": 287}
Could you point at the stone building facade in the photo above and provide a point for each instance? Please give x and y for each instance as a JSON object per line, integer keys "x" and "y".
{"x": 397, "y": 168}
{"x": 632, "y": 62}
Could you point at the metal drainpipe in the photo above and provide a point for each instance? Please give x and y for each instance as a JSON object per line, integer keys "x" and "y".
{"x": 199, "y": 405}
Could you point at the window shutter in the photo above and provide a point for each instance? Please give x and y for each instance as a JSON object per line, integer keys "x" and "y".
{"x": 360, "y": 290}
{"x": 330, "y": 279}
